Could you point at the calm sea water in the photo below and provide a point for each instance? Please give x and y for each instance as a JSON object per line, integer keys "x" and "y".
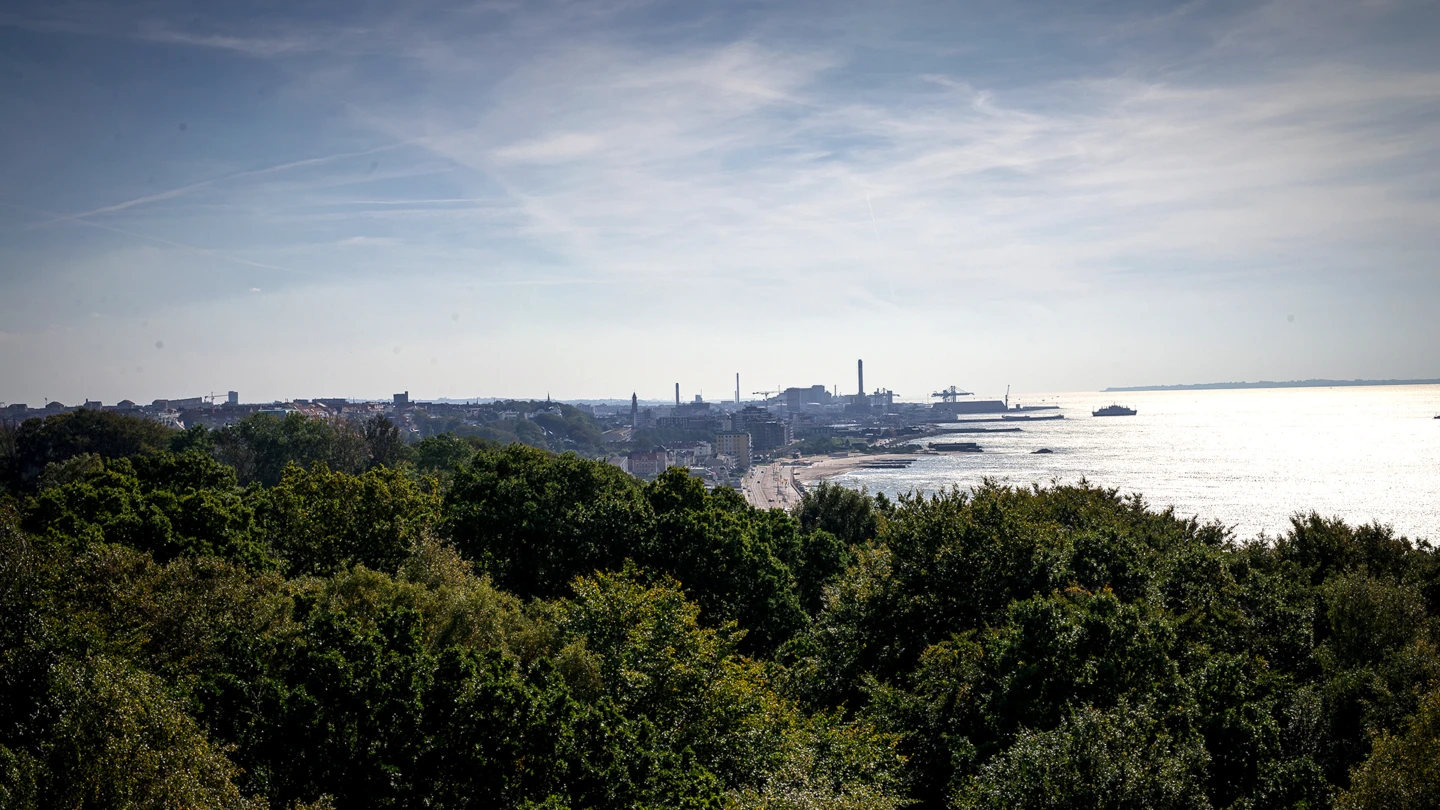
{"x": 1249, "y": 458}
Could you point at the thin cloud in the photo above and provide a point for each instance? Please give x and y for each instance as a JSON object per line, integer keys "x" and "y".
{"x": 161, "y": 241}
{"x": 181, "y": 191}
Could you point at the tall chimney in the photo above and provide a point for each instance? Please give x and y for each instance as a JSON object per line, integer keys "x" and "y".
{"x": 677, "y": 395}
{"x": 737, "y": 388}
{"x": 860, "y": 372}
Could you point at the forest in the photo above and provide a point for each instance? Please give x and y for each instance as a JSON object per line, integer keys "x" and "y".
{"x": 280, "y": 614}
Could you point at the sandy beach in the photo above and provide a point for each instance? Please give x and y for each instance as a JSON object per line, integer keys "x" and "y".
{"x": 814, "y": 469}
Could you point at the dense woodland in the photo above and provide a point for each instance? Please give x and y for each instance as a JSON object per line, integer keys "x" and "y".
{"x": 287, "y": 613}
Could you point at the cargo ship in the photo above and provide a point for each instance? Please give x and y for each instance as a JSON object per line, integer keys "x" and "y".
{"x": 1114, "y": 410}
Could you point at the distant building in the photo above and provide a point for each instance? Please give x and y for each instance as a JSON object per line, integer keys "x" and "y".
{"x": 694, "y": 454}
{"x": 797, "y": 398}
{"x": 232, "y": 398}
{"x": 748, "y": 415}
{"x": 645, "y": 419}
{"x": 697, "y": 408}
{"x": 733, "y": 443}
{"x": 648, "y": 465}
{"x": 768, "y": 435}
{"x": 402, "y": 400}
{"x": 170, "y": 419}
{"x": 697, "y": 450}
{"x": 688, "y": 422}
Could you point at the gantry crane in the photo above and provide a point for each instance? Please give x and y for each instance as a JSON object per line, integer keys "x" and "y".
{"x": 951, "y": 394}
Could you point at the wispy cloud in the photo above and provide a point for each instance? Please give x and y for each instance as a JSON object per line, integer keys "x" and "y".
{"x": 967, "y": 167}
{"x": 189, "y": 188}
{"x": 748, "y": 159}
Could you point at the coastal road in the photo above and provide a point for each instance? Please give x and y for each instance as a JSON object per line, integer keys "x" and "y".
{"x": 771, "y": 486}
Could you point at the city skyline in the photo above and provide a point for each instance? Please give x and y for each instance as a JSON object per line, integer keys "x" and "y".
{"x": 593, "y": 199}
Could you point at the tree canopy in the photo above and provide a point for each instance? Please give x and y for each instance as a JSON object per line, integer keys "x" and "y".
{"x": 290, "y": 615}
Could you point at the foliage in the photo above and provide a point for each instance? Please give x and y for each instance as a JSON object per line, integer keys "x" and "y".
{"x": 443, "y": 453}
{"x": 319, "y": 521}
{"x": 55, "y": 439}
{"x": 850, "y": 516}
{"x": 383, "y": 442}
{"x": 535, "y": 521}
{"x": 1123, "y": 758}
{"x": 544, "y": 425}
{"x": 261, "y": 446}
{"x": 1403, "y": 773}
{"x": 162, "y": 504}
{"x": 294, "y": 614}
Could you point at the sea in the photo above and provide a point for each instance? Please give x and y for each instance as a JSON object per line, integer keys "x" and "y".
{"x": 1249, "y": 458}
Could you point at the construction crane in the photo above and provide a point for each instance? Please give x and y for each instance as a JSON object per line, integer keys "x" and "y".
{"x": 765, "y": 394}
{"x": 951, "y": 394}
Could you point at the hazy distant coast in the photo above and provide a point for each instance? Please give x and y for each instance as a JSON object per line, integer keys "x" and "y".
{"x": 1269, "y": 384}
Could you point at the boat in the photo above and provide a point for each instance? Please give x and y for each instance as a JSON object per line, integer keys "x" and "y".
{"x": 957, "y": 447}
{"x": 1035, "y": 408}
{"x": 1041, "y": 452}
{"x": 1114, "y": 410}
{"x": 1012, "y": 418}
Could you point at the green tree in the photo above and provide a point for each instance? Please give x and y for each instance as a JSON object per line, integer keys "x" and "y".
{"x": 261, "y": 446}
{"x": 443, "y": 453}
{"x": 846, "y": 514}
{"x": 1122, "y": 758}
{"x": 386, "y": 447}
{"x": 54, "y": 439}
{"x": 118, "y": 740}
{"x": 534, "y": 521}
{"x": 319, "y": 521}
{"x": 182, "y": 504}
{"x": 1403, "y": 772}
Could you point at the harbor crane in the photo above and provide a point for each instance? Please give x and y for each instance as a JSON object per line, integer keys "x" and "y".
{"x": 951, "y": 394}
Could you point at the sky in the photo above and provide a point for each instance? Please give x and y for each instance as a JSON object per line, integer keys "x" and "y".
{"x": 585, "y": 199}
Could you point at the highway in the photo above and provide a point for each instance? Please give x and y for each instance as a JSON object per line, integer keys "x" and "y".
{"x": 771, "y": 486}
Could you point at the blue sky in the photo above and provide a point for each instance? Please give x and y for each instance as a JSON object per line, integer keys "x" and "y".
{"x": 514, "y": 198}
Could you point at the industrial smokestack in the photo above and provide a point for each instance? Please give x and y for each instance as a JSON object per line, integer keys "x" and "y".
{"x": 860, "y": 372}
{"x": 737, "y": 388}
{"x": 677, "y": 395}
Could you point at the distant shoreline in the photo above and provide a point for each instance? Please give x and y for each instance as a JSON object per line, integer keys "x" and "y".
{"x": 1269, "y": 384}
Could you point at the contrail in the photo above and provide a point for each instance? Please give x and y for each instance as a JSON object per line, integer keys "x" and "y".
{"x": 182, "y": 190}
{"x": 872, "y": 217}
{"x": 161, "y": 240}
